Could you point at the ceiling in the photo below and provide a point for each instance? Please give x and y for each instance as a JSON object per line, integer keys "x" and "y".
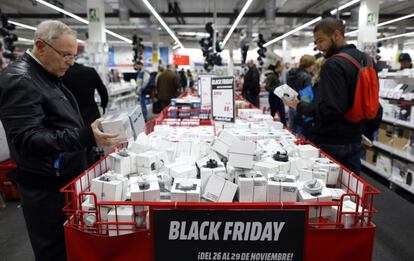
{"x": 188, "y": 17}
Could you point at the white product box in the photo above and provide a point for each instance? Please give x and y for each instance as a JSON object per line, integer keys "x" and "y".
{"x": 241, "y": 124}
{"x": 205, "y": 173}
{"x": 297, "y": 164}
{"x": 122, "y": 214}
{"x": 218, "y": 189}
{"x": 337, "y": 193}
{"x": 324, "y": 196}
{"x": 241, "y": 154}
{"x": 108, "y": 188}
{"x": 145, "y": 191}
{"x": 269, "y": 166}
{"x": 346, "y": 219}
{"x": 185, "y": 190}
{"x": 119, "y": 124}
{"x": 123, "y": 162}
{"x": 183, "y": 171}
{"x": 262, "y": 118}
{"x": 4, "y": 147}
{"x": 222, "y": 143}
{"x": 140, "y": 144}
{"x": 308, "y": 151}
{"x": 252, "y": 189}
{"x": 285, "y": 91}
{"x": 384, "y": 163}
{"x": 151, "y": 161}
{"x": 247, "y": 113}
{"x": 282, "y": 190}
{"x": 332, "y": 168}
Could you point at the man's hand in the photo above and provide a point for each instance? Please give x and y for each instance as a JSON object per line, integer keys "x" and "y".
{"x": 293, "y": 103}
{"x": 103, "y": 139}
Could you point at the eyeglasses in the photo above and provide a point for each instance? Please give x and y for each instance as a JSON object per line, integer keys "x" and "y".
{"x": 66, "y": 57}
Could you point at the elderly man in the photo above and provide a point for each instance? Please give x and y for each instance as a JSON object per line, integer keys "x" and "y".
{"x": 46, "y": 134}
{"x": 251, "y": 86}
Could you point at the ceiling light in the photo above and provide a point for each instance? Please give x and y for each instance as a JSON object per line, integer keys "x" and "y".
{"x": 80, "y": 19}
{"x": 239, "y": 17}
{"x": 396, "y": 36}
{"x": 162, "y": 22}
{"x": 23, "y": 25}
{"x": 175, "y": 46}
{"x": 22, "y": 39}
{"x": 313, "y": 21}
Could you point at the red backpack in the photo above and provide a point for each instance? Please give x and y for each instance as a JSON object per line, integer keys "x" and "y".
{"x": 366, "y": 100}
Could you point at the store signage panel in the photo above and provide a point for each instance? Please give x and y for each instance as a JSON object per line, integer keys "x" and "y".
{"x": 204, "y": 86}
{"x": 181, "y": 59}
{"x": 222, "y": 99}
{"x": 193, "y": 235}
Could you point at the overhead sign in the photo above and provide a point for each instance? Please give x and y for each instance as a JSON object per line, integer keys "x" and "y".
{"x": 189, "y": 235}
{"x": 222, "y": 96}
{"x": 181, "y": 59}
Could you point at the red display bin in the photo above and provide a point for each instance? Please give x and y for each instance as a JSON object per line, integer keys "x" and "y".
{"x": 6, "y": 187}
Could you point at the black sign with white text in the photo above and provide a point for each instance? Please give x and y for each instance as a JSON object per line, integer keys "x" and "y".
{"x": 228, "y": 235}
{"x": 222, "y": 99}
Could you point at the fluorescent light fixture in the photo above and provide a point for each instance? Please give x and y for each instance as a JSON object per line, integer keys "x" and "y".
{"x": 23, "y": 25}
{"x": 311, "y": 22}
{"x": 162, "y": 22}
{"x": 396, "y": 36}
{"x": 63, "y": 11}
{"x": 80, "y": 19}
{"x": 22, "y": 39}
{"x": 239, "y": 17}
{"x": 175, "y": 46}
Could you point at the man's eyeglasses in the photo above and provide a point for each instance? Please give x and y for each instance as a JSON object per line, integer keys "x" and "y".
{"x": 66, "y": 57}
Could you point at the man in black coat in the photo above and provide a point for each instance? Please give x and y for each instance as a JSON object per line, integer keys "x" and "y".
{"x": 82, "y": 81}
{"x": 251, "y": 86}
{"x": 46, "y": 134}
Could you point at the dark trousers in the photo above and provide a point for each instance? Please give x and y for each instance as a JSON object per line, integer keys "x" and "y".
{"x": 253, "y": 99}
{"x": 347, "y": 154}
{"x": 44, "y": 218}
{"x": 276, "y": 105}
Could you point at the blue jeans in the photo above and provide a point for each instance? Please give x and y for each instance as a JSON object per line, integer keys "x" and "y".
{"x": 143, "y": 103}
{"x": 346, "y": 154}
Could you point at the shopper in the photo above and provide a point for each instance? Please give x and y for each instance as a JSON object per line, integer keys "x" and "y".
{"x": 251, "y": 86}
{"x": 405, "y": 61}
{"x": 142, "y": 81}
{"x": 183, "y": 80}
{"x": 168, "y": 85}
{"x": 45, "y": 133}
{"x": 335, "y": 96}
{"x": 299, "y": 79}
{"x": 82, "y": 81}
{"x": 190, "y": 79}
{"x": 272, "y": 81}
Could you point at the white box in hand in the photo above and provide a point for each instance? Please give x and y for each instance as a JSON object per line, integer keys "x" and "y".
{"x": 241, "y": 154}
{"x": 282, "y": 190}
{"x": 122, "y": 214}
{"x": 285, "y": 91}
{"x": 185, "y": 190}
{"x": 218, "y": 189}
{"x": 119, "y": 124}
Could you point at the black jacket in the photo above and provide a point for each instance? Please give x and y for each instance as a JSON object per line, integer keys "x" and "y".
{"x": 298, "y": 78}
{"x": 335, "y": 96}
{"x": 82, "y": 82}
{"x": 42, "y": 124}
{"x": 251, "y": 84}
{"x": 272, "y": 80}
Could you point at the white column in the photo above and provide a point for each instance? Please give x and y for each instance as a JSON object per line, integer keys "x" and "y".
{"x": 367, "y": 25}
{"x": 287, "y": 51}
{"x": 97, "y": 46}
{"x": 230, "y": 67}
{"x": 155, "y": 35}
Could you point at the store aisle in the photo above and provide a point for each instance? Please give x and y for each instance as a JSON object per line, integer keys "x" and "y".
{"x": 394, "y": 220}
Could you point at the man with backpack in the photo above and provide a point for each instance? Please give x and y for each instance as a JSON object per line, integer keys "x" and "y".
{"x": 347, "y": 96}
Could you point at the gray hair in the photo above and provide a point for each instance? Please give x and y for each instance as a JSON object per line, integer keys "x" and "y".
{"x": 51, "y": 30}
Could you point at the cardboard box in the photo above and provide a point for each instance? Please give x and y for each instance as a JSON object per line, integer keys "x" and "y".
{"x": 185, "y": 190}
{"x": 308, "y": 151}
{"x": 324, "y": 196}
{"x": 218, "y": 189}
{"x": 122, "y": 214}
{"x": 123, "y": 162}
{"x": 241, "y": 154}
{"x": 401, "y": 138}
{"x": 370, "y": 156}
{"x": 108, "y": 188}
{"x": 223, "y": 142}
{"x": 252, "y": 189}
{"x": 385, "y": 133}
{"x": 119, "y": 124}
{"x": 282, "y": 190}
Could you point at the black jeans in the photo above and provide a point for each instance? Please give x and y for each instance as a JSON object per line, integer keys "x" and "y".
{"x": 276, "y": 105}
{"x": 44, "y": 218}
{"x": 347, "y": 154}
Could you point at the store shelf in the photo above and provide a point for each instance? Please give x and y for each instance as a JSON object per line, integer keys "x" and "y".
{"x": 401, "y": 154}
{"x": 402, "y": 185}
{"x": 375, "y": 169}
{"x": 398, "y": 122}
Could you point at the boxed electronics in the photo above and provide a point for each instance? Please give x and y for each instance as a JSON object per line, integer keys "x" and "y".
{"x": 185, "y": 190}
{"x": 282, "y": 188}
{"x": 399, "y": 170}
{"x": 211, "y": 167}
{"x": 285, "y": 91}
{"x": 222, "y": 143}
{"x": 123, "y": 162}
{"x": 218, "y": 189}
{"x": 370, "y": 155}
{"x": 241, "y": 154}
{"x": 333, "y": 170}
{"x": 314, "y": 191}
{"x": 118, "y": 124}
{"x": 308, "y": 151}
{"x": 151, "y": 161}
{"x": 109, "y": 187}
{"x": 385, "y": 133}
{"x": 145, "y": 189}
{"x": 384, "y": 163}
{"x": 4, "y": 147}
{"x": 346, "y": 219}
{"x": 252, "y": 187}
{"x": 121, "y": 214}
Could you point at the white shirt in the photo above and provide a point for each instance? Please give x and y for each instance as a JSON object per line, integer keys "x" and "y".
{"x": 34, "y": 57}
